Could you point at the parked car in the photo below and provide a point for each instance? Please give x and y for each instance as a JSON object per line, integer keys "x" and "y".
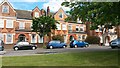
{"x": 56, "y": 44}
{"x": 1, "y": 45}
{"x": 24, "y": 46}
{"x": 76, "y": 44}
{"x": 115, "y": 43}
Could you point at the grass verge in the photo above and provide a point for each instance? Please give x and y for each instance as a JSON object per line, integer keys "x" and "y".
{"x": 102, "y": 58}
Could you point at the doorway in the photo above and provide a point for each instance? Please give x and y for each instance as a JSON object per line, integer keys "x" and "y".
{"x": 21, "y": 37}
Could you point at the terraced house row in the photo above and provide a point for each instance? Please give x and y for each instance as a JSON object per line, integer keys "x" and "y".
{"x": 15, "y": 25}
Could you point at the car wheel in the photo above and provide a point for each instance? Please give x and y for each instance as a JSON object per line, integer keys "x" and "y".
{"x": 112, "y": 47}
{"x": 51, "y": 47}
{"x": 64, "y": 46}
{"x": 33, "y": 48}
{"x": 16, "y": 48}
{"x": 76, "y": 46}
{"x": 86, "y": 45}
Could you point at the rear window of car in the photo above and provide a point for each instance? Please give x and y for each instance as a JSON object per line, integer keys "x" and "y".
{"x": 54, "y": 41}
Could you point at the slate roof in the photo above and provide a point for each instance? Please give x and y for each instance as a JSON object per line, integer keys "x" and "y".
{"x": 24, "y": 14}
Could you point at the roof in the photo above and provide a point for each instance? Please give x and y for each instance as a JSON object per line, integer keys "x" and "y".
{"x": 23, "y": 14}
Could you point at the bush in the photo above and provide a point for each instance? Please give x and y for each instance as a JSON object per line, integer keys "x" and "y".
{"x": 58, "y": 37}
{"x": 93, "y": 39}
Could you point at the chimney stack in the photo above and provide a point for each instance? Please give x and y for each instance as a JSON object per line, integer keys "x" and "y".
{"x": 48, "y": 11}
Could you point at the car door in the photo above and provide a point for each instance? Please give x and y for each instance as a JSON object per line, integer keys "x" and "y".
{"x": 20, "y": 45}
{"x": 53, "y": 43}
{"x": 57, "y": 44}
{"x": 27, "y": 45}
{"x": 80, "y": 43}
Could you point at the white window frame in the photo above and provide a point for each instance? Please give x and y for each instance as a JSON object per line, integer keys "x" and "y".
{"x": 1, "y": 23}
{"x": 21, "y": 25}
{"x": 36, "y": 14}
{"x": 64, "y": 27}
{"x": 40, "y": 39}
{"x": 11, "y": 39}
{"x": 58, "y": 26}
{"x": 9, "y": 23}
{"x": 35, "y": 40}
{"x": 3, "y": 7}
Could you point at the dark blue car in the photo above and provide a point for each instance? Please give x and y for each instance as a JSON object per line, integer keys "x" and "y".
{"x": 56, "y": 44}
{"x": 76, "y": 44}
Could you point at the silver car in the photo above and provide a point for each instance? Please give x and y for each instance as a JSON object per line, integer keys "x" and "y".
{"x": 1, "y": 45}
{"x": 115, "y": 43}
{"x": 23, "y": 45}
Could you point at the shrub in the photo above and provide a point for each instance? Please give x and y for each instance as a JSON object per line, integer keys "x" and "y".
{"x": 93, "y": 39}
{"x": 58, "y": 37}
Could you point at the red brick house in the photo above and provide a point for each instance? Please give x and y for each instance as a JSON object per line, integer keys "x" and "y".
{"x": 15, "y": 25}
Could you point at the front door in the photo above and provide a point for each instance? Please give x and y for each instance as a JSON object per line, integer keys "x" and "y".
{"x": 21, "y": 37}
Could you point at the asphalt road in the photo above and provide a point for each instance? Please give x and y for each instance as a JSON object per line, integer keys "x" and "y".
{"x": 40, "y": 51}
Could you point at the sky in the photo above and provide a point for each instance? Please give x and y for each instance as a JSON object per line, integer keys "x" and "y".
{"x": 54, "y": 5}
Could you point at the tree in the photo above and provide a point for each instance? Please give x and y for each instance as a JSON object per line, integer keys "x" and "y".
{"x": 102, "y": 14}
{"x": 99, "y": 13}
{"x": 43, "y": 25}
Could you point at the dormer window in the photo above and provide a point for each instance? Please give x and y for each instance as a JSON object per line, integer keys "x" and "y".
{"x": 36, "y": 14}
{"x": 5, "y": 9}
{"x": 61, "y": 15}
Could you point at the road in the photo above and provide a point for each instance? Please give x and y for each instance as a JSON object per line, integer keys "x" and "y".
{"x": 40, "y": 51}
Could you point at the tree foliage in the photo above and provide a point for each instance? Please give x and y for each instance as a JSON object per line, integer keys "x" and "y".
{"x": 58, "y": 37}
{"x": 99, "y": 13}
{"x": 95, "y": 41}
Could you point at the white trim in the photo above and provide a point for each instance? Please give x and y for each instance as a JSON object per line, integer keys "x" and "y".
{"x": 24, "y": 20}
{"x": 7, "y": 17}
